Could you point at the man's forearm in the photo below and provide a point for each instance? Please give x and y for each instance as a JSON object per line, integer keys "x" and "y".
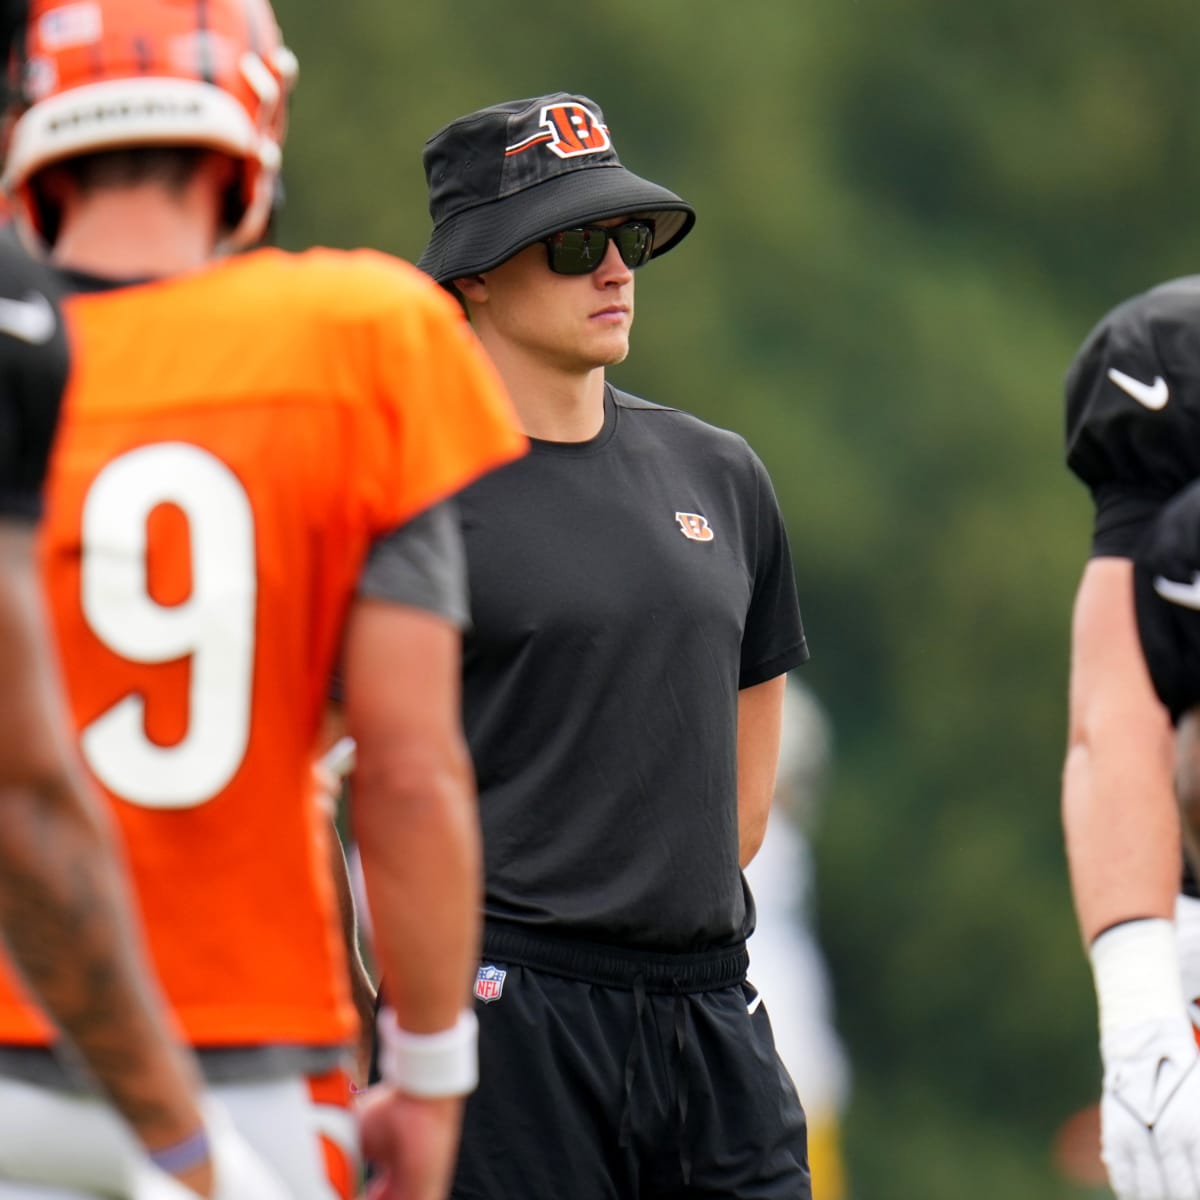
{"x": 1118, "y": 804}
{"x": 1122, "y": 837}
{"x": 760, "y": 712}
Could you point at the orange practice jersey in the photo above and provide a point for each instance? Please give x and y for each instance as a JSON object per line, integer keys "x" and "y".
{"x": 232, "y": 442}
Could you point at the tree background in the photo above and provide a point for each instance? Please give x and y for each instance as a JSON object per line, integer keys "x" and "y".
{"x": 910, "y": 215}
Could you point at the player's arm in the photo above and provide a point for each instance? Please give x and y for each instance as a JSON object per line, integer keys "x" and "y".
{"x": 1118, "y": 804}
{"x": 1123, "y": 849}
{"x": 413, "y": 810}
{"x": 65, "y": 914}
{"x": 416, "y": 825}
{"x": 760, "y": 713}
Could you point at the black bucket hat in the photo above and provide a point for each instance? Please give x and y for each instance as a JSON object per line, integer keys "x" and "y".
{"x": 505, "y": 177}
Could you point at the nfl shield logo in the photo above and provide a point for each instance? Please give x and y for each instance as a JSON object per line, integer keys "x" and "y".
{"x": 489, "y": 983}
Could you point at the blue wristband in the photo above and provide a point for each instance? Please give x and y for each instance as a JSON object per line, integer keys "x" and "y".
{"x": 183, "y": 1156}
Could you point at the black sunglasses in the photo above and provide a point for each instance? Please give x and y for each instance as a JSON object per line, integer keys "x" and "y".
{"x": 581, "y": 250}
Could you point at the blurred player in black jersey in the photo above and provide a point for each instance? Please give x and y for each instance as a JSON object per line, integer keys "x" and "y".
{"x": 634, "y": 613}
{"x": 1133, "y": 437}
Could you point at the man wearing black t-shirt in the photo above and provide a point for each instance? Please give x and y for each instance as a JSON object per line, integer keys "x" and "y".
{"x": 1132, "y": 410}
{"x": 634, "y": 614}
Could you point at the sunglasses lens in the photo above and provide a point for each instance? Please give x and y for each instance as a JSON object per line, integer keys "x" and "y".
{"x": 634, "y": 241}
{"x": 577, "y": 251}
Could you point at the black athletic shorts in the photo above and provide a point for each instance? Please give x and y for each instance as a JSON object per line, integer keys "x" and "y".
{"x": 613, "y": 1075}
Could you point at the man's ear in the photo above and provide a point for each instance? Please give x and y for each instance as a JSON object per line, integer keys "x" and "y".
{"x": 472, "y": 287}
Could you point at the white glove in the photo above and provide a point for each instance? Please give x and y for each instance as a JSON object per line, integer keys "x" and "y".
{"x": 240, "y": 1172}
{"x": 1150, "y": 1110}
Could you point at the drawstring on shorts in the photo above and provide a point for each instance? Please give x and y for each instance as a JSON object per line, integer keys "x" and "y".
{"x": 679, "y": 1076}
{"x": 681, "y": 1089}
{"x": 632, "y": 1056}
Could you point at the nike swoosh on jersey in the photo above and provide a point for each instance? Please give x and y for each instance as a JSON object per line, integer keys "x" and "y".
{"x": 31, "y": 320}
{"x": 1185, "y": 594}
{"x": 1150, "y": 395}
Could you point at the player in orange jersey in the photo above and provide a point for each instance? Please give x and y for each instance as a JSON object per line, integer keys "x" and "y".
{"x": 61, "y": 875}
{"x": 249, "y": 483}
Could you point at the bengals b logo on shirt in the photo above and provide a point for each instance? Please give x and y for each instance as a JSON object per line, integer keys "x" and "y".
{"x": 695, "y": 526}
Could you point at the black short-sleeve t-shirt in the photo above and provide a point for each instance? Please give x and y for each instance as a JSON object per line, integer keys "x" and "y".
{"x": 622, "y": 590}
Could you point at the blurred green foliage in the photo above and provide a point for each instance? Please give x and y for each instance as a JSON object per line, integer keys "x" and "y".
{"x": 910, "y": 214}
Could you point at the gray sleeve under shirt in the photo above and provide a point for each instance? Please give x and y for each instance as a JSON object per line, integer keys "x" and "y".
{"x": 422, "y": 563}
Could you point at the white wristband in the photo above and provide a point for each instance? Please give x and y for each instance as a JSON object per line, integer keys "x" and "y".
{"x": 1136, "y": 970}
{"x": 429, "y": 1064}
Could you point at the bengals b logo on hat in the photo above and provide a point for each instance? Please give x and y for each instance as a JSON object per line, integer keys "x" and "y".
{"x": 567, "y": 129}
{"x": 511, "y": 174}
{"x": 576, "y": 130}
